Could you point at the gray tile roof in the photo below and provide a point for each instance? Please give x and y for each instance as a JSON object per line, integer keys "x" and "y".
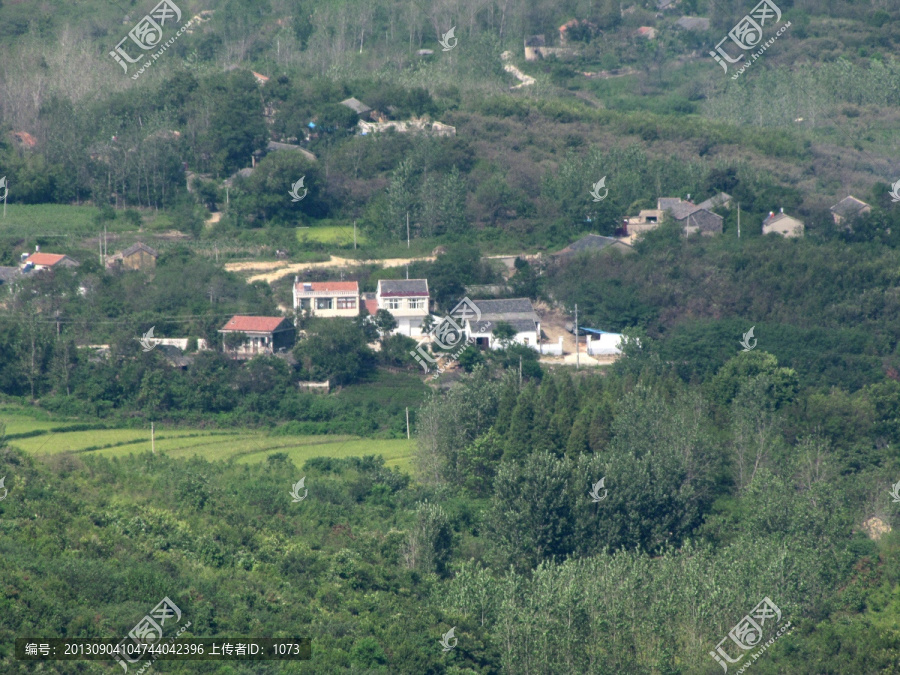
{"x": 518, "y": 312}
{"x": 356, "y": 105}
{"x": 590, "y": 242}
{"x": 134, "y": 248}
{"x": 683, "y": 210}
{"x": 849, "y": 206}
{"x": 403, "y": 287}
{"x": 664, "y": 203}
{"x": 714, "y": 202}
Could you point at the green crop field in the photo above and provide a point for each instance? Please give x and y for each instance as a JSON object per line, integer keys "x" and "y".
{"x": 341, "y": 235}
{"x": 243, "y": 445}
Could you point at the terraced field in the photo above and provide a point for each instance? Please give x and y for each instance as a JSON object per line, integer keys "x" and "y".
{"x": 240, "y": 445}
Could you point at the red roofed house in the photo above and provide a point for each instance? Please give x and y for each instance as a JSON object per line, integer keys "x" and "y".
{"x": 42, "y": 261}
{"x": 262, "y": 335}
{"x": 327, "y": 298}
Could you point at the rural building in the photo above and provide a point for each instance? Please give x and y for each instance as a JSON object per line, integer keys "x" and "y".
{"x": 782, "y": 224}
{"x": 262, "y": 335}
{"x": 703, "y": 221}
{"x": 357, "y": 106}
{"x": 275, "y": 145}
{"x": 136, "y": 257}
{"x": 646, "y": 220}
{"x": 407, "y": 300}
{"x": 592, "y": 242}
{"x": 536, "y": 48}
{"x": 601, "y": 342}
{"x": 42, "y": 261}
{"x": 692, "y": 217}
{"x": 722, "y": 199}
{"x": 849, "y": 208}
{"x": 327, "y": 298}
{"x": 517, "y": 312}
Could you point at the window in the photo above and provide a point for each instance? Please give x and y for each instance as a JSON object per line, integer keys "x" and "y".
{"x": 346, "y": 303}
{"x": 417, "y": 303}
{"x": 323, "y": 303}
{"x": 393, "y": 303}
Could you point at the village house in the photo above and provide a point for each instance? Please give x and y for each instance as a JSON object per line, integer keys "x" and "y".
{"x": 848, "y": 208}
{"x": 646, "y": 220}
{"x": 407, "y": 300}
{"x": 327, "y": 298}
{"x": 358, "y": 107}
{"x": 783, "y": 224}
{"x": 276, "y": 145}
{"x": 261, "y": 335}
{"x": 694, "y": 217}
{"x": 38, "y": 261}
{"x": 722, "y": 199}
{"x": 136, "y": 257}
{"x": 536, "y": 48}
{"x": 517, "y": 312}
{"x": 592, "y": 242}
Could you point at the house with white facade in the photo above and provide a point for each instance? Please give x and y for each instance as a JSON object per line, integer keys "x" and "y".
{"x": 783, "y": 224}
{"x": 258, "y": 335}
{"x": 517, "y": 312}
{"x": 407, "y": 300}
{"x": 327, "y": 298}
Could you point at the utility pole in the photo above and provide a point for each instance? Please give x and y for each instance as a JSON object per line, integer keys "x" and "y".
{"x": 577, "y": 355}
{"x": 407, "y": 424}
{"x": 520, "y": 372}
{"x": 354, "y": 235}
{"x": 739, "y": 220}
{"x": 105, "y": 245}
{"x": 100, "y": 249}
{"x": 407, "y": 229}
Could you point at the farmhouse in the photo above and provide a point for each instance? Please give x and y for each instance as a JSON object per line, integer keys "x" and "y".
{"x": 407, "y": 300}
{"x": 783, "y": 224}
{"x": 692, "y": 217}
{"x": 261, "y": 335}
{"x": 136, "y": 257}
{"x": 327, "y": 298}
{"x": 517, "y": 312}
{"x": 848, "y": 208}
{"x": 357, "y": 106}
{"x": 592, "y": 242}
{"x": 43, "y": 261}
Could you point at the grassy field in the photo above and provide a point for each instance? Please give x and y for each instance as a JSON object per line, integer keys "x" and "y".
{"x": 338, "y": 235}
{"x": 241, "y": 445}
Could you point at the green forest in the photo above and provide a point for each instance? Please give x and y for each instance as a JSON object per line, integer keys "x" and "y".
{"x": 514, "y": 515}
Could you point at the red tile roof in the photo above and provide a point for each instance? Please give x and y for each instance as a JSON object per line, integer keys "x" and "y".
{"x": 371, "y": 305}
{"x": 48, "y": 259}
{"x": 253, "y": 324}
{"x": 330, "y": 286}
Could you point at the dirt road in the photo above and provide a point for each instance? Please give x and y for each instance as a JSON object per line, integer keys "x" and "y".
{"x": 281, "y": 269}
